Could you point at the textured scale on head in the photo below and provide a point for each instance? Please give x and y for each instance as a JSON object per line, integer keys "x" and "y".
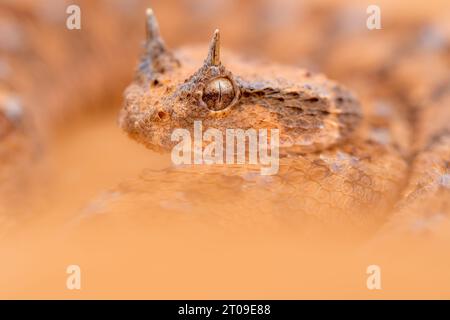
{"x": 172, "y": 90}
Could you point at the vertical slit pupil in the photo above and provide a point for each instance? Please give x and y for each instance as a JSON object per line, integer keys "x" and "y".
{"x": 218, "y": 94}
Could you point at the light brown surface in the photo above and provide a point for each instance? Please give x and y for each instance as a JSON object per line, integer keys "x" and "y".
{"x": 211, "y": 233}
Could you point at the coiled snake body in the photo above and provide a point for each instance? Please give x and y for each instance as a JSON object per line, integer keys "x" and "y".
{"x": 382, "y": 161}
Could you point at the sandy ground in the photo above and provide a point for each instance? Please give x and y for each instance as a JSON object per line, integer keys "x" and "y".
{"x": 185, "y": 261}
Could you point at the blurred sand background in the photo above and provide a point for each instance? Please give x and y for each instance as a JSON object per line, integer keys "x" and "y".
{"x": 81, "y": 153}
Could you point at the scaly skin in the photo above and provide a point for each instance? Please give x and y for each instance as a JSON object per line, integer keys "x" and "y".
{"x": 49, "y": 74}
{"x": 311, "y": 112}
{"x": 394, "y": 168}
{"x": 359, "y": 174}
{"x": 331, "y": 168}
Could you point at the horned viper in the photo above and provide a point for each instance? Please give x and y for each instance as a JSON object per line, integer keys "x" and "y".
{"x": 335, "y": 163}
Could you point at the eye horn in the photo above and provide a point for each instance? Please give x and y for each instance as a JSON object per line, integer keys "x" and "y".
{"x": 219, "y": 94}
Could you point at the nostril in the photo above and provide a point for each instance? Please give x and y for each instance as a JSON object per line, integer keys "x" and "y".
{"x": 162, "y": 115}
{"x": 10, "y": 114}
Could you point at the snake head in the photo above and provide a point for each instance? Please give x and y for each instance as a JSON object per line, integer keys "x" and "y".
{"x": 173, "y": 90}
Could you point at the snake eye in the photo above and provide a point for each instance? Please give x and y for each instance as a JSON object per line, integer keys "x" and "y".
{"x": 218, "y": 94}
